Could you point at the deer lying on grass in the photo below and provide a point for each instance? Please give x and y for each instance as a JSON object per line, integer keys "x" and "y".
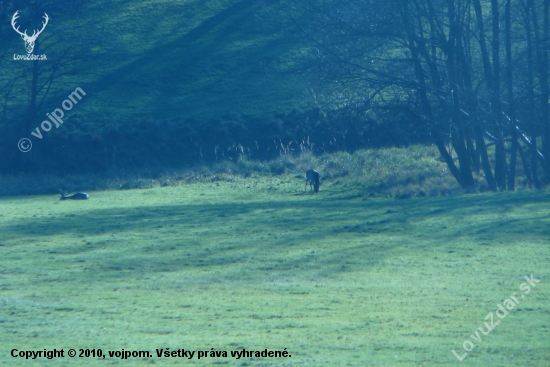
{"x": 77, "y": 196}
{"x": 313, "y": 178}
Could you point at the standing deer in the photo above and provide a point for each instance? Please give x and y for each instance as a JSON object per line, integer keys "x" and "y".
{"x": 313, "y": 178}
{"x": 29, "y": 40}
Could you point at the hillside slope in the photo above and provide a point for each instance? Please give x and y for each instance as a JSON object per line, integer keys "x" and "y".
{"x": 165, "y": 82}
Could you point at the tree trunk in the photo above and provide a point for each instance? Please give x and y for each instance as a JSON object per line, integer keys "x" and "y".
{"x": 511, "y": 101}
{"x": 422, "y": 92}
{"x": 544, "y": 93}
{"x": 531, "y": 93}
{"x": 467, "y": 180}
{"x": 500, "y": 152}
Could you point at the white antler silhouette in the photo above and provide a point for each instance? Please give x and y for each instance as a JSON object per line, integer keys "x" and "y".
{"x": 29, "y": 40}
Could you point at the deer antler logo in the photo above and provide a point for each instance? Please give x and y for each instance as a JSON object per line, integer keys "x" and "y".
{"x": 29, "y": 40}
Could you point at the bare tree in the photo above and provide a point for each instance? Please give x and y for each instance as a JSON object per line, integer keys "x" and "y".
{"x": 433, "y": 61}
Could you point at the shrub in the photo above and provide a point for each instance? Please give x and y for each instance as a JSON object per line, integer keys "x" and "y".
{"x": 415, "y": 171}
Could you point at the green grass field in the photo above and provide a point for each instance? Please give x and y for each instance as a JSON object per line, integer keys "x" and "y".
{"x": 258, "y": 263}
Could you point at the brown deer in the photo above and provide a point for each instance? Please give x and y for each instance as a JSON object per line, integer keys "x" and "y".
{"x": 77, "y": 196}
{"x": 313, "y": 178}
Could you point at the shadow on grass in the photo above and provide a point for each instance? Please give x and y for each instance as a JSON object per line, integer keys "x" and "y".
{"x": 265, "y": 239}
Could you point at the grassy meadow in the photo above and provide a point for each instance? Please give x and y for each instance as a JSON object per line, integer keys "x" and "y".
{"x": 254, "y": 263}
{"x": 385, "y": 266}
